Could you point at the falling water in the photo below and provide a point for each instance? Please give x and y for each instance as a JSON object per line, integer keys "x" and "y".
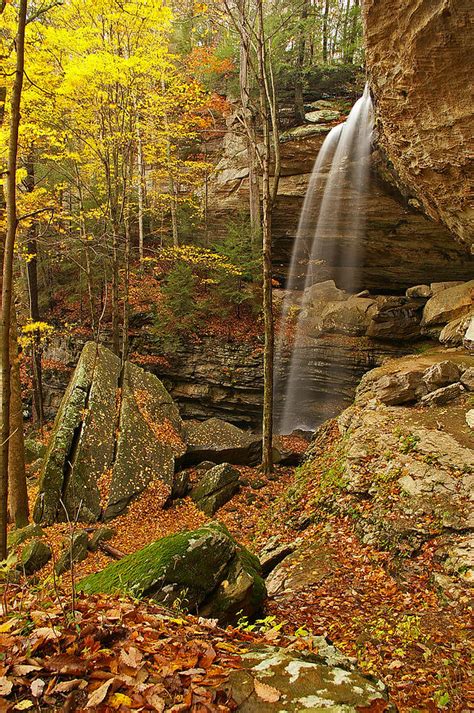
{"x": 327, "y": 246}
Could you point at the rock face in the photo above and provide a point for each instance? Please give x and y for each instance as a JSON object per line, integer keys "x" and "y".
{"x": 419, "y": 67}
{"x": 401, "y": 247}
{"x": 273, "y": 680}
{"x": 84, "y": 453}
{"x": 203, "y": 569}
{"x": 404, "y": 473}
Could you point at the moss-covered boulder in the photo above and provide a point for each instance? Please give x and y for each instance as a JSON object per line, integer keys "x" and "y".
{"x": 191, "y": 568}
{"x": 34, "y": 556}
{"x": 113, "y": 434}
{"x": 216, "y": 488}
{"x": 149, "y": 439}
{"x": 81, "y": 445}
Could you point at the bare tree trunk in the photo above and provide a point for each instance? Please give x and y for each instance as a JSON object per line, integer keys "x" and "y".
{"x": 267, "y": 428}
{"x": 325, "y": 30}
{"x": 248, "y": 118}
{"x": 140, "y": 171}
{"x": 7, "y": 284}
{"x": 17, "y": 490}
{"x": 299, "y": 100}
{"x": 32, "y": 283}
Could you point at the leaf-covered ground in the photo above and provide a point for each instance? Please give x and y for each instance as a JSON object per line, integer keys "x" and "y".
{"x": 385, "y": 612}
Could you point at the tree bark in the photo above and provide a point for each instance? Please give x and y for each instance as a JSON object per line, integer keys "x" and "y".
{"x": 7, "y": 284}
{"x": 325, "y": 30}
{"x": 267, "y": 426}
{"x": 17, "y": 490}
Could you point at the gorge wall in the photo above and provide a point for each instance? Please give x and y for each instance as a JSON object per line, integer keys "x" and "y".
{"x": 401, "y": 246}
{"x": 419, "y": 58}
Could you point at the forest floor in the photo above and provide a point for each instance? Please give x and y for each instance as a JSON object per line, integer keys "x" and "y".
{"x": 385, "y": 613}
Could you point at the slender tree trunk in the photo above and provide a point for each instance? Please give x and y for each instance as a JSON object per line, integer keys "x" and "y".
{"x": 325, "y": 30}
{"x": 7, "y": 284}
{"x": 267, "y": 441}
{"x": 299, "y": 100}
{"x": 171, "y": 181}
{"x": 32, "y": 282}
{"x": 248, "y": 117}
{"x": 17, "y": 490}
{"x": 140, "y": 171}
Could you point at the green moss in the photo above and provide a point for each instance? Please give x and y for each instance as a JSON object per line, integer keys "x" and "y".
{"x": 171, "y": 560}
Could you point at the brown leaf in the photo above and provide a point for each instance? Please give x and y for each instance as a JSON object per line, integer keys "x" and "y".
{"x": 6, "y": 686}
{"x": 67, "y": 686}
{"x": 66, "y": 664}
{"x": 99, "y": 694}
{"x": 25, "y": 669}
{"x": 132, "y": 657}
{"x": 265, "y": 692}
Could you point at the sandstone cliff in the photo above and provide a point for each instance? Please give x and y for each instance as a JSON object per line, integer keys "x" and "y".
{"x": 419, "y": 57}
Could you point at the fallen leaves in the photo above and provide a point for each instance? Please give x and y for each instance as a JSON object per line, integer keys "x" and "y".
{"x": 265, "y": 692}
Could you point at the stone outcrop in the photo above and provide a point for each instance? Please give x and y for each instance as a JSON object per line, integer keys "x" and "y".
{"x": 89, "y": 471}
{"x": 418, "y": 57}
{"x": 204, "y": 569}
{"x": 272, "y": 679}
{"x": 404, "y": 473}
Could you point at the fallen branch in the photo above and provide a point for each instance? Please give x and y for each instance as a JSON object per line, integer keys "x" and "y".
{"x": 112, "y": 551}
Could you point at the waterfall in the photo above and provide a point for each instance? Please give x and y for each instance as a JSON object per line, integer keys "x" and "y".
{"x": 327, "y": 247}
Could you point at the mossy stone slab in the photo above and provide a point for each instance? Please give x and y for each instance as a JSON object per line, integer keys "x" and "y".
{"x": 188, "y": 565}
{"x": 149, "y": 440}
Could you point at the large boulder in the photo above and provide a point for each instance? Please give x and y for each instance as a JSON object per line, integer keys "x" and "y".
{"x": 148, "y": 442}
{"x": 221, "y": 442}
{"x": 449, "y": 304}
{"x": 216, "y": 488}
{"x": 89, "y": 471}
{"x": 82, "y": 443}
{"x": 272, "y": 680}
{"x": 200, "y": 568}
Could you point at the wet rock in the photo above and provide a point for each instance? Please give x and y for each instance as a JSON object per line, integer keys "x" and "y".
{"x": 34, "y": 556}
{"x": 454, "y": 332}
{"x": 75, "y": 549}
{"x": 18, "y": 537}
{"x": 216, "y": 488}
{"x": 443, "y": 395}
{"x": 441, "y": 374}
{"x": 102, "y": 534}
{"x": 203, "y": 568}
{"x": 303, "y": 681}
{"x": 351, "y": 316}
{"x": 221, "y": 442}
{"x": 468, "y": 339}
{"x": 449, "y": 304}
{"x": 319, "y": 294}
